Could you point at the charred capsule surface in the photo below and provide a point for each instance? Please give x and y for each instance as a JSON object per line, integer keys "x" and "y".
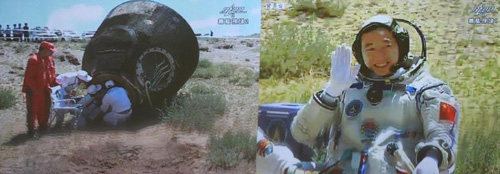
{"x": 145, "y": 47}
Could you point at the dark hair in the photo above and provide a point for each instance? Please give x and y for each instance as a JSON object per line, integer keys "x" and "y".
{"x": 399, "y": 33}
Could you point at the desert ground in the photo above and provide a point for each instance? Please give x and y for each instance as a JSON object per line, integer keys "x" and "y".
{"x": 158, "y": 147}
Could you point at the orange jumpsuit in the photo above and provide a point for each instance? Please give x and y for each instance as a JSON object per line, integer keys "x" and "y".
{"x": 38, "y": 78}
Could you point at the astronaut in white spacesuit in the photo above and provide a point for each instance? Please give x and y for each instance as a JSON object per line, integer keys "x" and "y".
{"x": 69, "y": 82}
{"x": 389, "y": 99}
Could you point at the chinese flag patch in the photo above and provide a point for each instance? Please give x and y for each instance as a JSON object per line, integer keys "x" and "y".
{"x": 447, "y": 112}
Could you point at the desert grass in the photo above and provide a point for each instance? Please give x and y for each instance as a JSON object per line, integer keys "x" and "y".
{"x": 231, "y": 149}
{"x": 7, "y": 98}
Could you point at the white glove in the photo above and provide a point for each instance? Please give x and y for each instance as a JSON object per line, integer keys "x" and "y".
{"x": 342, "y": 75}
{"x": 281, "y": 158}
{"x": 428, "y": 165}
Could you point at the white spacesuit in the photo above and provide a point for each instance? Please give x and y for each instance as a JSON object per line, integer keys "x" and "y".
{"x": 362, "y": 113}
{"x": 70, "y": 81}
{"x": 273, "y": 158}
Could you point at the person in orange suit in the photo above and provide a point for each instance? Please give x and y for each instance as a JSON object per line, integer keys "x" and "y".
{"x": 38, "y": 78}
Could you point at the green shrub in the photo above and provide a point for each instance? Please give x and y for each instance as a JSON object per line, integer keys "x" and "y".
{"x": 303, "y": 5}
{"x": 196, "y": 111}
{"x": 231, "y": 149}
{"x": 322, "y": 8}
{"x": 201, "y": 89}
{"x": 249, "y": 44}
{"x": 7, "y": 98}
{"x": 204, "y": 63}
{"x": 475, "y": 83}
{"x": 479, "y": 157}
{"x": 206, "y": 73}
{"x": 208, "y": 70}
{"x": 329, "y": 8}
{"x": 382, "y": 11}
{"x": 292, "y": 13}
{"x": 293, "y": 51}
{"x": 243, "y": 77}
{"x": 225, "y": 70}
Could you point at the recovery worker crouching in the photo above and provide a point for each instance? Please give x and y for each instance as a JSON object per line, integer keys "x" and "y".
{"x": 115, "y": 105}
{"x": 110, "y": 105}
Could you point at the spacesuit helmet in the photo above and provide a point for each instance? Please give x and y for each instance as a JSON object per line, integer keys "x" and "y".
{"x": 109, "y": 84}
{"x": 399, "y": 33}
{"x": 84, "y": 76}
{"x": 407, "y": 64}
{"x": 93, "y": 89}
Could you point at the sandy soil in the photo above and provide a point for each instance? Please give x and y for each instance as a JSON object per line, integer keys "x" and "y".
{"x": 243, "y": 101}
{"x": 153, "y": 148}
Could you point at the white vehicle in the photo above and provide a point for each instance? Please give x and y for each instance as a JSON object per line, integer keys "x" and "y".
{"x": 44, "y": 35}
{"x": 88, "y": 35}
{"x": 68, "y": 35}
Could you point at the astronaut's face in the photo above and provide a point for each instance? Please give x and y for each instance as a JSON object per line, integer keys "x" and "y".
{"x": 380, "y": 51}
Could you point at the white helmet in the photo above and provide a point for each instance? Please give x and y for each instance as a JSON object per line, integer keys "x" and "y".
{"x": 109, "y": 84}
{"x": 93, "y": 89}
{"x": 83, "y": 75}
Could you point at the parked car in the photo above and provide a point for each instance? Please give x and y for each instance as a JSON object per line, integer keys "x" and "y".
{"x": 88, "y": 35}
{"x": 68, "y": 35}
{"x": 44, "y": 35}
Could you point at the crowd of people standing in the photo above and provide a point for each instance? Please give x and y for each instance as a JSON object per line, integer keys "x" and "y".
{"x": 16, "y": 33}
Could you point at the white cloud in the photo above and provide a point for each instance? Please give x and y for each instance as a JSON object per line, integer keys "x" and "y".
{"x": 75, "y": 17}
{"x": 204, "y": 23}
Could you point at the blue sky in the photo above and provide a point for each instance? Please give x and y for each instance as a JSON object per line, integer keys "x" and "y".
{"x": 87, "y": 15}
